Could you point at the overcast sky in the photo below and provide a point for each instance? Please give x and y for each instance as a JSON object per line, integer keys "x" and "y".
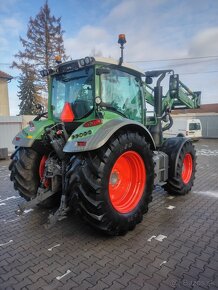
{"x": 155, "y": 30}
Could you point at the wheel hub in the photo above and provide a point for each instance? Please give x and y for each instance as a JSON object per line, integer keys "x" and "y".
{"x": 114, "y": 178}
{"x": 127, "y": 182}
{"x": 187, "y": 168}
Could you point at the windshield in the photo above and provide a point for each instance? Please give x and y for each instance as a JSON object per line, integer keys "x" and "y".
{"x": 122, "y": 92}
{"x": 76, "y": 88}
{"x": 194, "y": 126}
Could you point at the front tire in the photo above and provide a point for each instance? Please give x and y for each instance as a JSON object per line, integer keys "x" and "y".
{"x": 182, "y": 168}
{"x": 113, "y": 185}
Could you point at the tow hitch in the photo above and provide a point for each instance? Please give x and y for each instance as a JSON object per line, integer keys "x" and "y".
{"x": 41, "y": 196}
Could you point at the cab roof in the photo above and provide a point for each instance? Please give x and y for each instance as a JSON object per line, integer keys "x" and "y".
{"x": 80, "y": 63}
{"x": 112, "y": 61}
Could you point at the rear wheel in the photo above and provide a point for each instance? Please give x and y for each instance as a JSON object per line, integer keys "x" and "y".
{"x": 113, "y": 185}
{"x": 182, "y": 168}
{"x": 25, "y": 172}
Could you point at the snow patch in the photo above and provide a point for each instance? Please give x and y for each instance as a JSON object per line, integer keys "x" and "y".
{"x": 60, "y": 277}
{"x": 50, "y": 249}
{"x": 207, "y": 152}
{"x": 208, "y": 193}
{"x": 164, "y": 262}
{"x": 170, "y": 197}
{"x": 10, "y": 197}
{"x": 158, "y": 238}
{"x": 170, "y": 207}
{"x": 28, "y": 210}
{"x": 1, "y": 245}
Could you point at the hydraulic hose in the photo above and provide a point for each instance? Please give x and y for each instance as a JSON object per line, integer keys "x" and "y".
{"x": 169, "y": 125}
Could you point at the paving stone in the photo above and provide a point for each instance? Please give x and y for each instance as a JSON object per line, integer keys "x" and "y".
{"x": 116, "y": 285}
{"x": 128, "y": 262}
{"x": 126, "y": 278}
{"x": 99, "y": 286}
{"x": 171, "y": 281}
{"x": 134, "y": 286}
{"x": 93, "y": 279}
{"x": 110, "y": 278}
{"x": 213, "y": 265}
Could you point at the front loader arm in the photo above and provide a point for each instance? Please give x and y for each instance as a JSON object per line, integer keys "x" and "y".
{"x": 186, "y": 99}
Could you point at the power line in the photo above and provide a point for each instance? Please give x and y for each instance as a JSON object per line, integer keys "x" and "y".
{"x": 174, "y": 59}
{"x": 156, "y": 60}
{"x": 196, "y": 73}
{"x": 185, "y": 64}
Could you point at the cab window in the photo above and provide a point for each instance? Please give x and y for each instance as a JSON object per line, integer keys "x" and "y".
{"x": 122, "y": 92}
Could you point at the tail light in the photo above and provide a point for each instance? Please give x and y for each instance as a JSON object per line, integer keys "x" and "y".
{"x": 92, "y": 123}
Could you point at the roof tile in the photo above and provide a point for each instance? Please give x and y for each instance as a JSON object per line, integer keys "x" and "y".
{"x": 4, "y": 75}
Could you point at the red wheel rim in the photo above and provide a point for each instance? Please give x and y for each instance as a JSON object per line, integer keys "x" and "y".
{"x": 127, "y": 182}
{"x": 187, "y": 168}
{"x": 42, "y": 170}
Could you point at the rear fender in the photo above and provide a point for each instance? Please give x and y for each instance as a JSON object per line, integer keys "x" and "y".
{"x": 87, "y": 139}
{"x": 30, "y": 134}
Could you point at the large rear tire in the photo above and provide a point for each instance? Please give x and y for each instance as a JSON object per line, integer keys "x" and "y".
{"x": 113, "y": 185}
{"x": 182, "y": 168}
{"x": 25, "y": 172}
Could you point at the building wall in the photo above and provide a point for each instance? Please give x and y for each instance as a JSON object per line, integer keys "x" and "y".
{"x": 209, "y": 126}
{"x": 4, "y": 102}
{"x": 9, "y": 127}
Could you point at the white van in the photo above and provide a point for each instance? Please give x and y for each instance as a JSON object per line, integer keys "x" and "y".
{"x": 182, "y": 127}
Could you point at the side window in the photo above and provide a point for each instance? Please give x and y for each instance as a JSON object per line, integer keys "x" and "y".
{"x": 58, "y": 102}
{"x": 122, "y": 92}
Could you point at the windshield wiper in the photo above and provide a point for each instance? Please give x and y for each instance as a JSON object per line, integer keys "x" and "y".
{"x": 73, "y": 78}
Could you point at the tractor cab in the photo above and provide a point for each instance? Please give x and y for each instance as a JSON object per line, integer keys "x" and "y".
{"x": 90, "y": 87}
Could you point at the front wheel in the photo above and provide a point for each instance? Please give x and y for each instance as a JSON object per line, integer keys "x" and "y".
{"x": 182, "y": 168}
{"x": 113, "y": 184}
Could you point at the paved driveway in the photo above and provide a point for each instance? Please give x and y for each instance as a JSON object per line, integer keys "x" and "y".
{"x": 174, "y": 247}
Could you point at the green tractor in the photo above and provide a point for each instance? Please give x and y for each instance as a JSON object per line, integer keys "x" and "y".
{"x": 98, "y": 150}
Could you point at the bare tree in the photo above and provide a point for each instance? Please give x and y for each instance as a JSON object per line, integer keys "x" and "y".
{"x": 44, "y": 40}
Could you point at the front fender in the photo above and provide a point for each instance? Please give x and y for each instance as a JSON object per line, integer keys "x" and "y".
{"x": 87, "y": 139}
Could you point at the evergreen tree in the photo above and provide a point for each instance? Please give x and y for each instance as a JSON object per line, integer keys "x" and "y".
{"x": 44, "y": 40}
{"x": 27, "y": 93}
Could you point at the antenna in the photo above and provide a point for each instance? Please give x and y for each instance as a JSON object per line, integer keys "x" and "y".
{"x": 121, "y": 41}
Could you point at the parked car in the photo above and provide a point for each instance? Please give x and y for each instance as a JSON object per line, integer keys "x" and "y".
{"x": 190, "y": 128}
